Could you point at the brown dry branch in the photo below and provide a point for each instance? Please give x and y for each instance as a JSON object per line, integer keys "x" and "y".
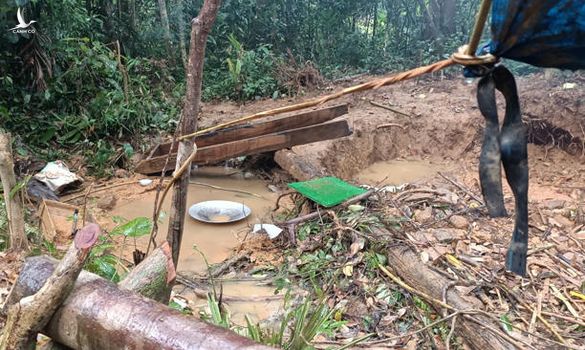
{"x": 377, "y": 104}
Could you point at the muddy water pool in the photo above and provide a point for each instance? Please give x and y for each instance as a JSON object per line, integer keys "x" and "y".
{"x": 397, "y": 172}
{"x": 215, "y": 241}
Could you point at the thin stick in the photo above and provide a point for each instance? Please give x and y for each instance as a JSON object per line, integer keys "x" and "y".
{"x": 564, "y": 318}
{"x": 462, "y": 188}
{"x": 450, "y": 335}
{"x": 85, "y": 204}
{"x": 410, "y": 334}
{"x": 176, "y": 176}
{"x": 374, "y": 103}
{"x": 155, "y": 209}
{"x": 542, "y": 319}
{"x": 99, "y": 189}
{"x": 389, "y": 125}
{"x": 225, "y": 189}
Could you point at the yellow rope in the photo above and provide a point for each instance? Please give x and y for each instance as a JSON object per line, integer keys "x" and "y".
{"x": 464, "y": 56}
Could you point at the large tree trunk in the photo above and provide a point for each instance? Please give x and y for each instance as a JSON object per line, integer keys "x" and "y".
{"x": 154, "y": 276}
{"x": 164, "y": 18}
{"x": 448, "y": 16}
{"x": 31, "y": 314}
{"x": 431, "y": 30}
{"x": 181, "y": 28}
{"x": 132, "y": 13}
{"x": 200, "y": 28}
{"x": 99, "y": 315}
{"x": 13, "y": 203}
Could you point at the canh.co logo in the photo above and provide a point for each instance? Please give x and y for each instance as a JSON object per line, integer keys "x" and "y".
{"x": 22, "y": 26}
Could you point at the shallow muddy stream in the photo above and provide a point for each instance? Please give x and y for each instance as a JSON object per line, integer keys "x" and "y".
{"x": 216, "y": 241}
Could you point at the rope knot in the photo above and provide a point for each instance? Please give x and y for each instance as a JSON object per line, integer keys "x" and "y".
{"x": 463, "y": 58}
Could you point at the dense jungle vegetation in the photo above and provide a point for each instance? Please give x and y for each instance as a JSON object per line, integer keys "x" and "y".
{"x": 99, "y": 73}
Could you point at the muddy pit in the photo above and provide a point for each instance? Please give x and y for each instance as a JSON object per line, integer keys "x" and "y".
{"x": 442, "y": 132}
{"x": 215, "y": 241}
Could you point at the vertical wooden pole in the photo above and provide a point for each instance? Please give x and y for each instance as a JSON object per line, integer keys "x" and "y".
{"x": 200, "y": 28}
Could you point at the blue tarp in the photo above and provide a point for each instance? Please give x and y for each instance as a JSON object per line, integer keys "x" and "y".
{"x": 544, "y": 33}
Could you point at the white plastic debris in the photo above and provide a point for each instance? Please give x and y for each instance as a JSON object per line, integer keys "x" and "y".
{"x": 271, "y": 230}
{"x": 57, "y": 176}
{"x": 569, "y": 86}
{"x": 145, "y": 182}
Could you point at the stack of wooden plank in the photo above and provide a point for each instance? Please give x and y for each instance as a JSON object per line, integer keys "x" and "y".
{"x": 254, "y": 138}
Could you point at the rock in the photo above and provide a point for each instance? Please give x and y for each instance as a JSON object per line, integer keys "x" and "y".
{"x": 107, "y": 202}
{"x": 459, "y": 221}
{"x": 569, "y": 257}
{"x": 123, "y": 173}
{"x": 447, "y": 234}
{"x": 297, "y": 165}
{"x": 560, "y": 221}
{"x": 553, "y": 204}
{"x": 424, "y": 215}
{"x": 448, "y": 196}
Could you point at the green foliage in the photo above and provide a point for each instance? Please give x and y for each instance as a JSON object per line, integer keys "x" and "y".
{"x": 31, "y": 231}
{"x": 87, "y": 106}
{"x": 250, "y": 73}
{"x": 216, "y": 315}
{"x": 102, "y": 262}
{"x": 138, "y": 227}
{"x": 297, "y": 329}
{"x": 185, "y": 310}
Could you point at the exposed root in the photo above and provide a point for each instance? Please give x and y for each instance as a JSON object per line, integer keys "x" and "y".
{"x": 543, "y": 133}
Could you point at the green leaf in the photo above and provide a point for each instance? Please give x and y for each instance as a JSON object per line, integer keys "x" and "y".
{"x": 118, "y": 219}
{"x": 506, "y": 324}
{"x": 19, "y": 185}
{"x": 103, "y": 267}
{"x": 138, "y": 227}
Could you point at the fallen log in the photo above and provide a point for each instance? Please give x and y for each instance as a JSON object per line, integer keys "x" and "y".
{"x": 99, "y": 315}
{"x": 153, "y": 277}
{"x": 31, "y": 313}
{"x": 406, "y": 263}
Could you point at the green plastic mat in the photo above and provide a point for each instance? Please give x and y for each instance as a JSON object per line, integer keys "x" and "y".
{"x": 327, "y": 191}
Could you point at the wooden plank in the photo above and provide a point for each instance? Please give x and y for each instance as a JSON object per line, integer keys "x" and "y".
{"x": 260, "y": 144}
{"x": 240, "y": 132}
